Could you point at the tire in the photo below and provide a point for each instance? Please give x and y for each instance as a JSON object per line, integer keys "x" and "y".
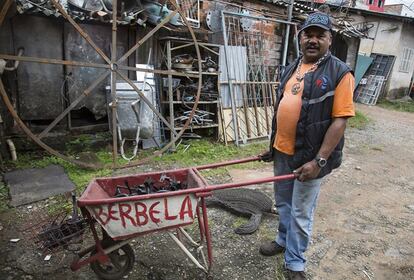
{"x": 117, "y": 268}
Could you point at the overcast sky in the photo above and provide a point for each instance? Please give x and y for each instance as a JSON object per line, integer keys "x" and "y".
{"x": 406, "y": 2}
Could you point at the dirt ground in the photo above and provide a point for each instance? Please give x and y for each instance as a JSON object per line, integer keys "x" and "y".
{"x": 364, "y": 223}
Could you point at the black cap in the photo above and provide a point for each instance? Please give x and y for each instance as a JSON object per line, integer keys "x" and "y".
{"x": 318, "y": 19}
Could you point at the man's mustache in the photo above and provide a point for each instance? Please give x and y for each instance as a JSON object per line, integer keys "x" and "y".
{"x": 312, "y": 46}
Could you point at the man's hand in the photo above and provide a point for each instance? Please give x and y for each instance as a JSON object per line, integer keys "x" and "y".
{"x": 308, "y": 171}
{"x": 266, "y": 156}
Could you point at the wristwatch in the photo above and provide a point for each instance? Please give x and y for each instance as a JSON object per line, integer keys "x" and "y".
{"x": 321, "y": 161}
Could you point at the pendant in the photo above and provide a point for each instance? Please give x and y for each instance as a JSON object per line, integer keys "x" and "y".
{"x": 295, "y": 88}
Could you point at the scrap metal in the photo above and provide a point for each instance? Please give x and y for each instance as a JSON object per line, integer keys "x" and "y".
{"x": 130, "y": 11}
{"x": 114, "y": 68}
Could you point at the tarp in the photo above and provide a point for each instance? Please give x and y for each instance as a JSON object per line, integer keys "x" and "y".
{"x": 362, "y": 65}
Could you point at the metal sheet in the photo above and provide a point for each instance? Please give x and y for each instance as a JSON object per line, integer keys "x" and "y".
{"x": 362, "y": 66}
{"x": 79, "y": 78}
{"x": 237, "y": 60}
{"x": 39, "y": 85}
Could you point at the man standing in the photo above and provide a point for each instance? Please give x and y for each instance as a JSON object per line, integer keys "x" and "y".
{"x": 313, "y": 103}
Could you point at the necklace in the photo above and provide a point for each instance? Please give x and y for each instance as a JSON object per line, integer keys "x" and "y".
{"x": 299, "y": 78}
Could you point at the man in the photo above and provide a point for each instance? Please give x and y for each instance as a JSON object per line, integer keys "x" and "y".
{"x": 313, "y": 103}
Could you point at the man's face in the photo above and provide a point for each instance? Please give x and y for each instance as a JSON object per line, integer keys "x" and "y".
{"x": 314, "y": 42}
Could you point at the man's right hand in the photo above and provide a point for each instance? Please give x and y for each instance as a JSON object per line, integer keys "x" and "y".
{"x": 266, "y": 156}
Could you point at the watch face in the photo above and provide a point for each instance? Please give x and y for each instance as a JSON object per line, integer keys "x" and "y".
{"x": 322, "y": 162}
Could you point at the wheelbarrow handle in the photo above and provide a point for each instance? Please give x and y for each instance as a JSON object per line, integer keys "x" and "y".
{"x": 225, "y": 163}
{"x": 251, "y": 182}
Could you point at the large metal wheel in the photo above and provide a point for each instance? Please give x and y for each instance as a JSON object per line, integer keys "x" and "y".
{"x": 114, "y": 68}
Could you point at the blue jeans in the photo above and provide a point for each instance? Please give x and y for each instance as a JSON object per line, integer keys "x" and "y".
{"x": 295, "y": 202}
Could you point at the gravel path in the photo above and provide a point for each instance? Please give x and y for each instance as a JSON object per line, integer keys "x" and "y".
{"x": 364, "y": 223}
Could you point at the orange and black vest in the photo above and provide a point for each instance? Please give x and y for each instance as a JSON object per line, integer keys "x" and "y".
{"x": 316, "y": 112}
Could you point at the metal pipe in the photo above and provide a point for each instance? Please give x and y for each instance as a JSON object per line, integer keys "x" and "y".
{"x": 113, "y": 84}
{"x": 296, "y": 39}
{"x": 286, "y": 43}
{"x": 12, "y": 149}
{"x": 185, "y": 250}
{"x": 170, "y": 94}
{"x": 53, "y": 61}
{"x": 230, "y": 162}
{"x": 233, "y": 103}
{"x": 288, "y": 22}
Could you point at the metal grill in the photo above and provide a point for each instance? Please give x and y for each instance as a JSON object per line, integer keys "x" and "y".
{"x": 369, "y": 92}
{"x": 250, "y": 71}
{"x": 191, "y": 10}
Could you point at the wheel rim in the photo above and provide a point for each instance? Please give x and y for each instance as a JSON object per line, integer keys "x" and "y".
{"x": 112, "y": 67}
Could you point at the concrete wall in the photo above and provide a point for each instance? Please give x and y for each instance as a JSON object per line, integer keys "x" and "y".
{"x": 390, "y": 38}
{"x": 400, "y": 81}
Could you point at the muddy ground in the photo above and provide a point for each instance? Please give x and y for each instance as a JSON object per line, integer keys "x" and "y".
{"x": 364, "y": 223}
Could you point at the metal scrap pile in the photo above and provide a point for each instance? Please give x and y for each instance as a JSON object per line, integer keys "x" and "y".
{"x": 165, "y": 184}
{"x": 130, "y": 12}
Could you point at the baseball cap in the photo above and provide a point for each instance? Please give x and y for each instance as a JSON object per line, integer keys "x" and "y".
{"x": 318, "y": 19}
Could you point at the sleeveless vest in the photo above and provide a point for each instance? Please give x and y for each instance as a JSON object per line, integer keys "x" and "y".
{"x": 316, "y": 112}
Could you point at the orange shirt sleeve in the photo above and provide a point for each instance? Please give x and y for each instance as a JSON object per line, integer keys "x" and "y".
{"x": 343, "y": 105}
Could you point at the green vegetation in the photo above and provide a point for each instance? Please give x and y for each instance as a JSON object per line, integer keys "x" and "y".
{"x": 188, "y": 153}
{"x": 402, "y": 106}
{"x": 359, "y": 121}
{"x": 199, "y": 152}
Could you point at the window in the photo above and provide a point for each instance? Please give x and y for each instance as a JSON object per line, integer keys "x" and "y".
{"x": 380, "y": 3}
{"x": 406, "y": 60}
{"x": 370, "y": 2}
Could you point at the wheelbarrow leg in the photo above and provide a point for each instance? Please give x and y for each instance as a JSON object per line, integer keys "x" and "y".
{"x": 207, "y": 233}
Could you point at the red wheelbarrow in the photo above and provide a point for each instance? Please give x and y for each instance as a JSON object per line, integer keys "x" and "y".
{"x": 125, "y": 217}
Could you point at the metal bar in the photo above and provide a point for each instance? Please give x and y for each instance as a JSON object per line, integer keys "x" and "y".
{"x": 143, "y": 98}
{"x": 113, "y": 84}
{"x": 200, "y": 224}
{"x": 288, "y": 22}
{"x": 233, "y": 105}
{"x": 170, "y": 93}
{"x": 230, "y": 162}
{"x": 182, "y": 46}
{"x": 4, "y": 10}
{"x": 185, "y": 250}
{"x": 239, "y": 39}
{"x": 85, "y": 93}
{"x": 53, "y": 61}
{"x": 220, "y": 107}
{"x": 155, "y": 71}
{"x": 147, "y": 36}
{"x": 251, "y": 182}
{"x": 80, "y": 30}
{"x": 207, "y": 48}
{"x": 265, "y": 103}
{"x": 208, "y": 234}
{"x": 296, "y": 38}
{"x": 286, "y": 43}
{"x": 116, "y": 246}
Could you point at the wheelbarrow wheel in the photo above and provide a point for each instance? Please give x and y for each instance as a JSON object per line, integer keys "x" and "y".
{"x": 120, "y": 264}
